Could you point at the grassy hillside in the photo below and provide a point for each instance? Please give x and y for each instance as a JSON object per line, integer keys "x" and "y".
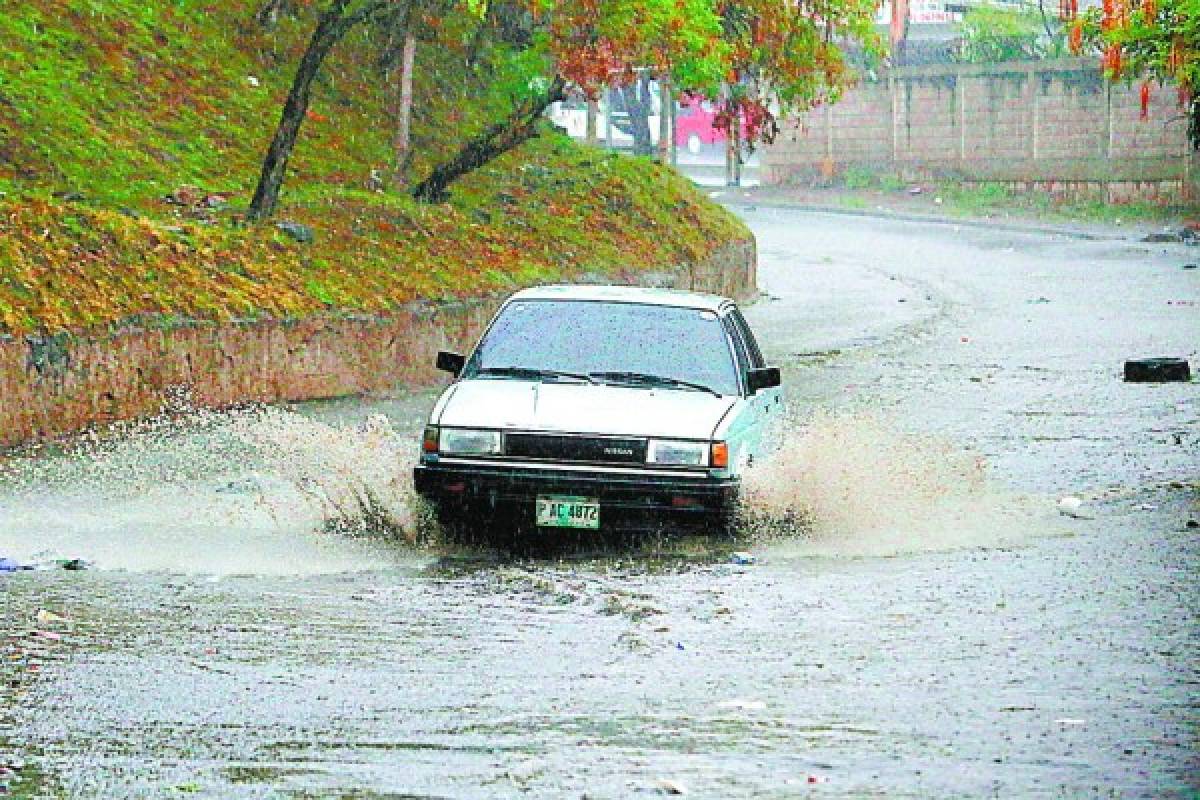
{"x": 130, "y": 139}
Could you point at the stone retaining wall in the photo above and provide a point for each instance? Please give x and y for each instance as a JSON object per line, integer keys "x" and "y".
{"x": 51, "y": 386}
{"x": 1054, "y": 126}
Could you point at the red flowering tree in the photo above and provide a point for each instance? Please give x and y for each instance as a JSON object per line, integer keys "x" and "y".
{"x": 787, "y": 56}
{"x": 1153, "y": 41}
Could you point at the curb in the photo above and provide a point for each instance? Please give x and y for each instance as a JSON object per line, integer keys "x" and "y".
{"x": 748, "y": 204}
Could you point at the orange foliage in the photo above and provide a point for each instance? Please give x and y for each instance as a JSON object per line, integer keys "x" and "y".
{"x": 1112, "y": 61}
{"x": 1075, "y": 38}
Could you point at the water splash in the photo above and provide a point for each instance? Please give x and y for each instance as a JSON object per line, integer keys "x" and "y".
{"x": 856, "y": 485}
{"x": 356, "y": 478}
{"x": 269, "y": 491}
{"x": 257, "y": 490}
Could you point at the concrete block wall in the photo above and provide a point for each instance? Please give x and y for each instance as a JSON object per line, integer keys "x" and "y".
{"x": 1051, "y": 126}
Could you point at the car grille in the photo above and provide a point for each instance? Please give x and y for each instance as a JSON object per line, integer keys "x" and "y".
{"x": 549, "y": 447}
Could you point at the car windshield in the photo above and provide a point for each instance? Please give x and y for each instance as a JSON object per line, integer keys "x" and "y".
{"x": 626, "y": 343}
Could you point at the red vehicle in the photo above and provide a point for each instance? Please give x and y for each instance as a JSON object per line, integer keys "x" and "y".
{"x": 694, "y": 124}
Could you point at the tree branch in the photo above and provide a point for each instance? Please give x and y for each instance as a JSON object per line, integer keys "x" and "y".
{"x": 519, "y": 127}
{"x": 332, "y": 26}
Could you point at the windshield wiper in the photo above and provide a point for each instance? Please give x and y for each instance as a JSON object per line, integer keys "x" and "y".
{"x": 644, "y": 379}
{"x": 530, "y": 373}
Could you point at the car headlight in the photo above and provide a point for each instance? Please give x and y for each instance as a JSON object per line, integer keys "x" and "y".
{"x": 464, "y": 441}
{"x": 677, "y": 453}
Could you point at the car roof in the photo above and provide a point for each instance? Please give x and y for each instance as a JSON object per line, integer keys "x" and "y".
{"x": 624, "y": 294}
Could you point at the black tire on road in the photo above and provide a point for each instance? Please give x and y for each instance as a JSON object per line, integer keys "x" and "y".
{"x": 1157, "y": 370}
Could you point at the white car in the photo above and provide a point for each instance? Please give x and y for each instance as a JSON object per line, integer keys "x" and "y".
{"x": 599, "y": 408}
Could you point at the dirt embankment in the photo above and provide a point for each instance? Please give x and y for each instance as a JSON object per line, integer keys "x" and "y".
{"x": 57, "y": 384}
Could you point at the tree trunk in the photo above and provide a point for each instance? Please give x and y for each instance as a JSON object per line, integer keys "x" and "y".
{"x": 736, "y": 138}
{"x": 610, "y": 96}
{"x": 404, "y": 115}
{"x": 674, "y": 135}
{"x": 332, "y": 25}
{"x": 496, "y": 140}
{"x": 666, "y": 102}
{"x": 637, "y": 103}
{"x": 1193, "y": 119}
{"x": 591, "y": 134}
{"x": 730, "y": 138}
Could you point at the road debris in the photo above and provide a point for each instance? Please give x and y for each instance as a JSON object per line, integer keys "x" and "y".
{"x": 297, "y": 231}
{"x": 1157, "y": 370}
{"x": 9, "y": 769}
{"x": 1072, "y": 506}
{"x": 1184, "y": 234}
{"x": 666, "y": 786}
{"x": 45, "y": 617}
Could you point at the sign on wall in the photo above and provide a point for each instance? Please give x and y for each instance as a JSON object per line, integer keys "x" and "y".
{"x": 920, "y": 12}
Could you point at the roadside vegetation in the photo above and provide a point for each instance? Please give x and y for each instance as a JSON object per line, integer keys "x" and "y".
{"x": 861, "y": 189}
{"x": 131, "y": 137}
{"x": 545, "y": 212}
{"x": 997, "y": 199}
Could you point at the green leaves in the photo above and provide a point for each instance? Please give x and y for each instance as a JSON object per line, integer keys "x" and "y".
{"x": 1151, "y": 40}
{"x": 1000, "y": 34}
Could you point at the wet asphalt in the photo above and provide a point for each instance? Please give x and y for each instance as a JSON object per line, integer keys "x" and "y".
{"x": 917, "y": 637}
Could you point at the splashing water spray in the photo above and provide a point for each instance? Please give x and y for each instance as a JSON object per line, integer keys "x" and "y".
{"x": 843, "y": 484}
{"x": 260, "y": 490}
{"x": 248, "y": 491}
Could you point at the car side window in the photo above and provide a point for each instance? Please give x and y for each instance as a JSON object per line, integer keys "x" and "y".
{"x": 756, "y": 357}
{"x": 739, "y": 347}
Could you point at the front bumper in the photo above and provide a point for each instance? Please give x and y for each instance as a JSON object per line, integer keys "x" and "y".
{"x": 629, "y": 499}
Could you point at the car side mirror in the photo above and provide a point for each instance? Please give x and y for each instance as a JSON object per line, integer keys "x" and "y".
{"x": 764, "y": 378}
{"x": 452, "y": 362}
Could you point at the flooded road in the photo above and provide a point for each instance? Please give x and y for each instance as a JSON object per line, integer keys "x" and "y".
{"x": 936, "y": 628}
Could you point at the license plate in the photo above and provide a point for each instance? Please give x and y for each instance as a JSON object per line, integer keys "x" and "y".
{"x": 557, "y": 511}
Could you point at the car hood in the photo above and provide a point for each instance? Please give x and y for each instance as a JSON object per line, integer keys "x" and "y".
{"x": 582, "y": 408}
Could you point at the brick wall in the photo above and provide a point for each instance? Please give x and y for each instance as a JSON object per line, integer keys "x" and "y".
{"x": 1052, "y": 125}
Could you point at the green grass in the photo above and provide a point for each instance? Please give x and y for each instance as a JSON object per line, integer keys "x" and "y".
{"x": 992, "y": 199}
{"x": 108, "y": 106}
{"x": 546, "y": 212}
{"x": 989, "y": 199}
{"x": 859, "y": 178}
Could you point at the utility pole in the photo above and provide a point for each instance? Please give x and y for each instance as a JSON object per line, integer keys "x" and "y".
{"x": 665, "y": 103}
{"x": 898, "y": 32}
